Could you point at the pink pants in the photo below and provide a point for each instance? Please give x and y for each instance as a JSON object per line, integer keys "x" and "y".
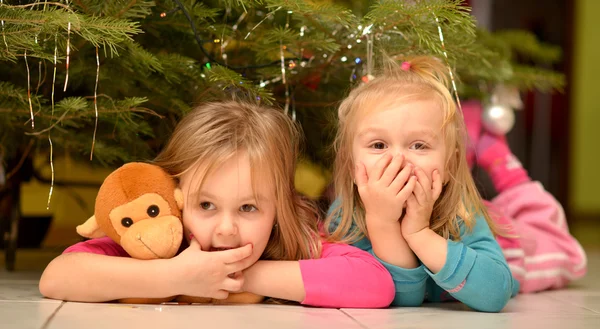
{"x": 540, "y": 251}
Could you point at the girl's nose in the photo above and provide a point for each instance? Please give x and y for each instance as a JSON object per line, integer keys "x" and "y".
{"x": 399, "y": 152}
{"x": 227, "y": 225}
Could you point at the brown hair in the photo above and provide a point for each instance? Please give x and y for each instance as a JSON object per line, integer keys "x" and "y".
{"x": 214, "y": 132}
{"x": 421, "y": 77}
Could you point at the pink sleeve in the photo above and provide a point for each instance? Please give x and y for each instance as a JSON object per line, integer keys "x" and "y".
{"x": 541, "y": 254}
{"x": 102, "y": 246}
{"x": 346, "y": 276}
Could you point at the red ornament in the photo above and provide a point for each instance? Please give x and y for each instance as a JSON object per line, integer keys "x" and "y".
{"x": 312, "y": 81}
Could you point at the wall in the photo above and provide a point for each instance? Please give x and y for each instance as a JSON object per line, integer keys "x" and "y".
{"x": 585, "y": 110}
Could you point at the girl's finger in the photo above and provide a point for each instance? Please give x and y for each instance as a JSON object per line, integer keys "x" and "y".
{"x": 407, "y": 190}
{"x": 234, "y": 284}
{"x": 436, "y": 188}
{"x": 360, "y": 175}
{"x": 420, "y": 193}
{"x": 194, "y": 244}
{"x": 391, "y": 172}
{"x": 402, "y": 178}
{"x": 236, "y": 255}
{"x": 423, "y": 179}
{"x": 379, "y": 167}
{"x": 221, "y": 294}
{"x": 411, "y": 201}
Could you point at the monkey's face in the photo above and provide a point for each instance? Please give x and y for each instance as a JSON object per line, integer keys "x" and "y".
{"x": 147, "y": 227}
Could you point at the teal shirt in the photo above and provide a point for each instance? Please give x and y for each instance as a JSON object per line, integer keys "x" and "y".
{"x": 475, "y": 272}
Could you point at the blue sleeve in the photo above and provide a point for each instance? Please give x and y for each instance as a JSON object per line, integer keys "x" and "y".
{"x": 410, "y": 284}
{"x": 476, "y": 272}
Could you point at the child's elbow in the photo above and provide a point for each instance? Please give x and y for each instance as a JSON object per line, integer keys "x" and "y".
{"x": 494, "y": 304}
{"x": 48, "y": 287}
{"x": 380, "y": 295}
{"x": 50, "y": 283}
{"x": 406, "y": 300}
{"x": 385, "y": 299}
{"x": 492, "y": 308}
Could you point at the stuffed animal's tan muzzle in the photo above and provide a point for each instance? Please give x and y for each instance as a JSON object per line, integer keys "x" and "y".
{"x": 153, "y": 238}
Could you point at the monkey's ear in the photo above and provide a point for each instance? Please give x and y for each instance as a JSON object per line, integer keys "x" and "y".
{"x": 179, "y": 197}
{"x": 90, "y": 229}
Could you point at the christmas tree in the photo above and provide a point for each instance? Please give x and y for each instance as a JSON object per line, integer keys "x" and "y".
{"x": 106, "y": 81}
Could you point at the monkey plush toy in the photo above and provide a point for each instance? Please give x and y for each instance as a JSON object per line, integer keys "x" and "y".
{"x": 139, "y": 207}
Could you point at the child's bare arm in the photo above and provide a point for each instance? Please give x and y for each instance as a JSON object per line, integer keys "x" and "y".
{"x": 87, "y": 277}
{"x": 278, "y": 279}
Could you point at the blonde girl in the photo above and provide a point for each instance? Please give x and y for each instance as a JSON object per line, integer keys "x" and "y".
{"x": 247, "y": 227}
{"x": 405, "y": 192}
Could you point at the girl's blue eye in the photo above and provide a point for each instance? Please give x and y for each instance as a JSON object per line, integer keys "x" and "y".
{"x": 248, "y": 208}
{"x": 378, "y": 145}
{"x": 207, "y": 205}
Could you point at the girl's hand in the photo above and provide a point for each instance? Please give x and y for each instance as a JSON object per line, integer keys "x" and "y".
{"x": 210, "y": 274}
{"x": 419, "y": 205}
{"x": 386, "y": 188}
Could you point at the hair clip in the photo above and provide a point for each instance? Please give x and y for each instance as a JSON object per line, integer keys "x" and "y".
{"x": 405, "y": 66}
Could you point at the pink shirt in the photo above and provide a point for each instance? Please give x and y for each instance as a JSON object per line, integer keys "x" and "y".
{"x": 344, "y": 276}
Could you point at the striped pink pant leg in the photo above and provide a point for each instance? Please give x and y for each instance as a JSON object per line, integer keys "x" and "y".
{"x": 540, "y": 251}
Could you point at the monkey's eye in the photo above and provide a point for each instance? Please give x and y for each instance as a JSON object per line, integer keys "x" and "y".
{"x": 153, "y": 211}
{"x": 126, "y": 221}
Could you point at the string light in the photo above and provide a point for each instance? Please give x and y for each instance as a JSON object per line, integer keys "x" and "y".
{"x": 68, "y": 54}
{"x": 447, "y": 61}
{"x": 95, "y": 104}
{"x": 29, "y": 91}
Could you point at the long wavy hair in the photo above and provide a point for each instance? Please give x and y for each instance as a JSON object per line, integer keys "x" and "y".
{"x": 212, "y": 133}
{"x": 423, "y": 77}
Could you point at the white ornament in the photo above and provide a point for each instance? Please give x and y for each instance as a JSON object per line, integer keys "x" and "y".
{"x": 509, "y": 96}
{"x": 498, "y": 119}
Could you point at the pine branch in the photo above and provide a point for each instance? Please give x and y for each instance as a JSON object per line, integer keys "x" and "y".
{"x": 148, "y": 80}
{"x": 140, "y": 60}
{"x": 526, "y": 45}
{"x": 321, "y": 12}
{"x": 23, "y": 27}
{"x": 238, "y": 85}
{"x": 544, "y": 80}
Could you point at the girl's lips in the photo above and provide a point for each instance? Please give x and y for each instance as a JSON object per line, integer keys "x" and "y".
{"x": 220, "y": 248}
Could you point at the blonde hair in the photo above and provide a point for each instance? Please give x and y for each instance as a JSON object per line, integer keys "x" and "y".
{"x": 214, "y": 132}
{"x": 418, "y": 78}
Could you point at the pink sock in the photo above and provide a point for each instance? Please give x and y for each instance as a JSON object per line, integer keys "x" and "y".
{"x": 495, "y": 157}
{"x": 472, "y": 116}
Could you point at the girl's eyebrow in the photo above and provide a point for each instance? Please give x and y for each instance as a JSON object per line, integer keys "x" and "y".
{"x": 430, "y": 133}
{"x": 208, "y": 195}
{"x": 370, "y": 130}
